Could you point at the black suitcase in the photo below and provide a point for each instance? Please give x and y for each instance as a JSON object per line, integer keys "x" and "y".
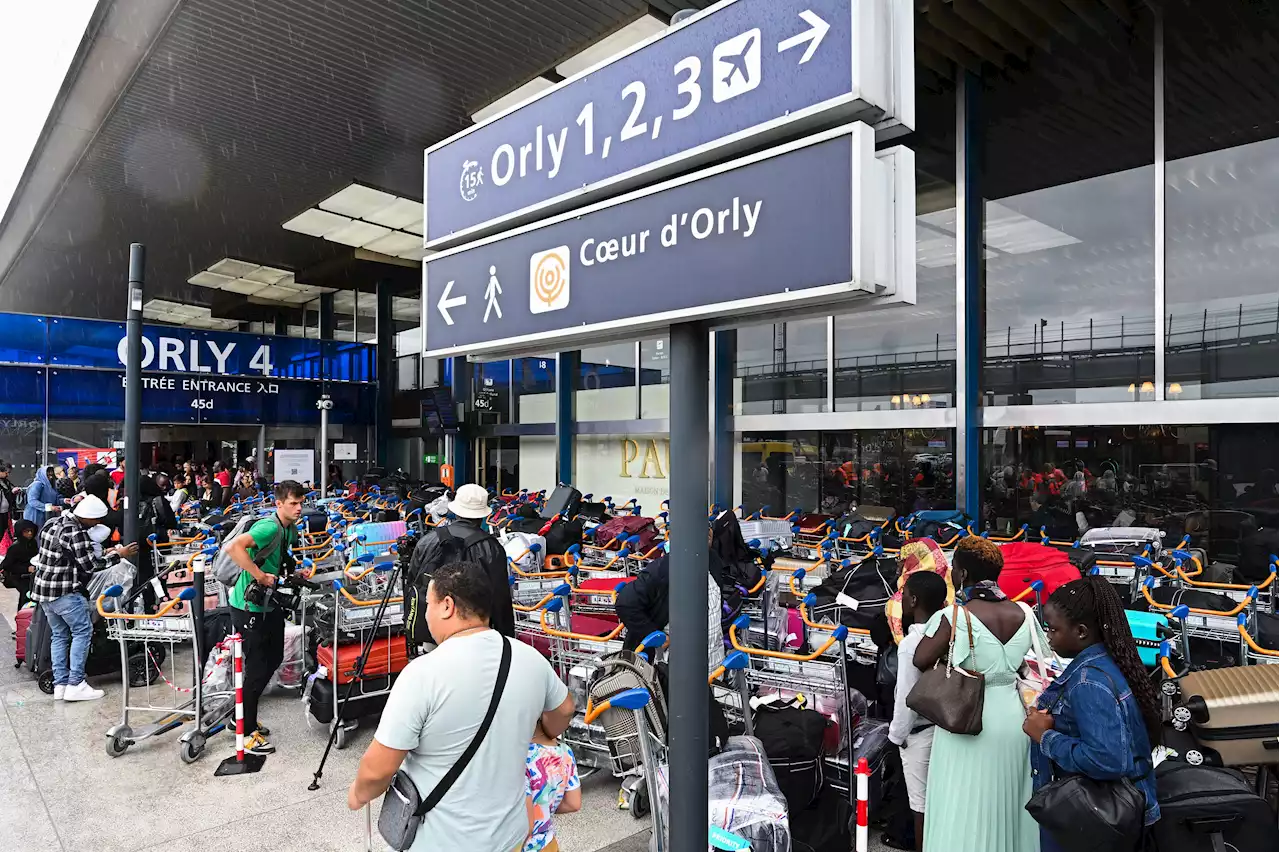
{"x": 562, "y": 535}
{"x": 792, "y": 738}
{"x": 593, "y": 512}
{"x": 217, "y": 626}
{"x": 1210, "y": 809}
{"x": 564, "y": 501}
{"x": 824, "y": 827}
{"x": 1082, "y": 558}
{"x": 360, "y": 705}
{"x": 316, "y": 520}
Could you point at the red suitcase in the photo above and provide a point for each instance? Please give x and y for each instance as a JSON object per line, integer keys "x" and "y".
{"x": 21, "y": 622}
{"x": 387, "y": 655}
{"x": 1025, "y": 562}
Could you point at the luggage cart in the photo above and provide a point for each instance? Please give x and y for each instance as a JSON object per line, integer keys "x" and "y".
{"x": 640, "y": 786}
{"x": 182, "y": 703}
{"x": 1216, "y": 626}
{"x": 353, "y": 609}
{"x": 1265, "y": 594}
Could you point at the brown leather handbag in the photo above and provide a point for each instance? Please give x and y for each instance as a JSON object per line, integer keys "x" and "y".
{"x": 949, "y": 696}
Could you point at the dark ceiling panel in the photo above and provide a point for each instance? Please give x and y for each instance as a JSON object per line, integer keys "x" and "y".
{"x": 249, "y": 111}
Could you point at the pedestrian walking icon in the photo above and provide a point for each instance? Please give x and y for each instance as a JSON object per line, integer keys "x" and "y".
{"x": 491, "y": 294}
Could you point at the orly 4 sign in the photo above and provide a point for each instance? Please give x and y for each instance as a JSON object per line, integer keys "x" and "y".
{"x": 196, "y": 355}
{"x": 740, "y": 75}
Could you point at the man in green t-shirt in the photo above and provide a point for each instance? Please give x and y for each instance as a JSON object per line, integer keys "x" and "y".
{"x": 263, "y": 556}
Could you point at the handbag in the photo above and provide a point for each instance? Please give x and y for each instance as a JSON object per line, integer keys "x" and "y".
{"x": 403, "y": 808}
{"x": 949, "y": 696}
{"x": 1086, "y": 815}
{"x": 1031, "y": 682}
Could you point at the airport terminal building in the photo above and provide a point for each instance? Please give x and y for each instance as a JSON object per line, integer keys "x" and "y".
{"x": 1093, "y": 331}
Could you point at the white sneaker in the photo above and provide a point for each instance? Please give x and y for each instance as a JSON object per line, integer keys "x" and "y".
{"x": 82, "y": 691}
{"x": 58, "y": 691}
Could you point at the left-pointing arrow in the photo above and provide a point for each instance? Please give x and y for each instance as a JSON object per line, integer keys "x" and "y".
{"x": 446, "y": 304}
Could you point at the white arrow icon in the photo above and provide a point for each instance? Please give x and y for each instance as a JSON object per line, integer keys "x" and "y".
{"x": 817, "y": 29}
{"x": 446, "y": 303}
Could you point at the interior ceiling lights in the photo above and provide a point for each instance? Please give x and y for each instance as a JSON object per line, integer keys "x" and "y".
{"x": 367, "y": 218}
{"x": 267, "y": 283}
{"x": 193, "y": 316}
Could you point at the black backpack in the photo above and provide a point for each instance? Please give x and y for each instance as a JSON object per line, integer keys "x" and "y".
{"x": 452, "y": 549}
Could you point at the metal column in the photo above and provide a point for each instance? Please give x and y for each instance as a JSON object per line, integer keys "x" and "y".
{"x": 386, "y": 369}
{"x": 726, "y": 353}
{"x": 133, "y": 394}
{"x": 567, "y": 365}
{"x": 970, "y": 271}
{"x": 324, "y": 405}
{"x": 260, "y": 453}
{"x": 688, "y": 594}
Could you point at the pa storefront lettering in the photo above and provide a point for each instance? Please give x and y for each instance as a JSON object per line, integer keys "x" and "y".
{"x": 174, "y": 354}
{"x": 656, "y": 453}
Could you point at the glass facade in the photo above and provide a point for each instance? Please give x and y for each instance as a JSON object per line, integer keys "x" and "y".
{"x": 1128, "y": 276}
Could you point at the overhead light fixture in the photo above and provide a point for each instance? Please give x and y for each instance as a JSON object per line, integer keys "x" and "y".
{"x": 895, "y": 400}
{"x": 190, "y": 316}
{"x": 1132, "y": 387}
{"x": 534, "y": 87}
{"x": 1148, "y": 387}
{"x": 360, "y": 216}
{"x": 245, "y": 278}
{"x": 1175, "y": 388}
{"x": 611, "y": 45}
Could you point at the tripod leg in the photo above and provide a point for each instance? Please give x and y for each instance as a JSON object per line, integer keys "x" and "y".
{"x": 355, "y": 677}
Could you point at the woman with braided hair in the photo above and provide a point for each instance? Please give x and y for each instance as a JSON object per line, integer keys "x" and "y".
{"x": 1101, "y": 715}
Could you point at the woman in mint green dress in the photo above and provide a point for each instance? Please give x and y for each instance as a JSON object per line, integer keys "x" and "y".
{"x": 979, "y": 786}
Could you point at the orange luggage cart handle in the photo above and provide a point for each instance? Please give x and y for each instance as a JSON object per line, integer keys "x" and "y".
{"x": 562, "y": 589}
{"x": 742, "y": 622}
{"x": 117, "y": 590}
{"x": 1150, "y": 583}
{"x": 555, "y": 606}
{"x": 1241, "y": 620}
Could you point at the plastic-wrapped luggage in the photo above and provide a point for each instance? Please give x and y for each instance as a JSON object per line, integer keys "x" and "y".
{"x": 1234, "y": 713}
{"x": 22, "y": 621}
{"x": 743, "y": 796}
{"x": 525, "y": 550}
{"x": 1205, "y": 808}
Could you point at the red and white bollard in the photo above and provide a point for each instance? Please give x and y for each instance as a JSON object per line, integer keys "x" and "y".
{"x": 863, "y": 776}
{"x": 242, "y": 763}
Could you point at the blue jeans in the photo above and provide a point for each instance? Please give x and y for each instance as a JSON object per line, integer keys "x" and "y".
{"x": 72, "y": 631}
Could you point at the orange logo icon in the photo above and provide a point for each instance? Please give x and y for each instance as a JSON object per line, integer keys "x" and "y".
{"x": 549, "y": 280}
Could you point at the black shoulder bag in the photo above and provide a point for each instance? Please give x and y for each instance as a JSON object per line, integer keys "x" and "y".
{"x": 1087, "y": 815}
{"x": 403, "y": 808}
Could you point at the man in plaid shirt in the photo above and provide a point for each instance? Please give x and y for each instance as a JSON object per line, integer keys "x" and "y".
{"x": 66, "y": 559}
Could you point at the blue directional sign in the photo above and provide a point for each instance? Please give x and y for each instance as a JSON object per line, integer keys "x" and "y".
{"x": 792, "y": 227}
{"x": 741, "y": 75}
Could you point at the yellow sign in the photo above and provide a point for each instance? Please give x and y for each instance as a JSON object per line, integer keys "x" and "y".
{"x": 655, "y": 463}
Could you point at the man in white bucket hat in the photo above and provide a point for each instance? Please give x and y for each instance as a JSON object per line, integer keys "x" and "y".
{"x": 63, "y": 565}
{"x": 464, "y": 538}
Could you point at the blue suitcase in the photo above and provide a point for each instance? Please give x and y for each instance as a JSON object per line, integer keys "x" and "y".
{"x": 1144, "y": 626}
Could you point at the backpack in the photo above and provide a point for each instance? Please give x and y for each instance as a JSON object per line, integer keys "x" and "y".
{"x": 452, "y": 549}
{"x": 225, "y": 569}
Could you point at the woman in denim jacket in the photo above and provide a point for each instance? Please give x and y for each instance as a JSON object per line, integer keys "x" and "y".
{"x": 1100, "y": 716}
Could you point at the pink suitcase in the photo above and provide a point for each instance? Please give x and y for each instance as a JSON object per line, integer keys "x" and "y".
{"x": 21, "y": 622}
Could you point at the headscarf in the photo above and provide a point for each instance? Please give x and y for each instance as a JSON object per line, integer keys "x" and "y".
{"x": 920, "y": 554}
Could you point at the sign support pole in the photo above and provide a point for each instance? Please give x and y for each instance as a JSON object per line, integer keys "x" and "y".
{"x": 133, "y": 394}
{"x": 324, "y": 404}
{"x": 690, "y": 458}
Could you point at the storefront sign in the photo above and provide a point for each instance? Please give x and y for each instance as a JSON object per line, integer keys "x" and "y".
{"x": 747, "y": 68}
{"x": 796, "y": 227}
{"x": 298, "y": 465}
{"x": 650, "y": 456}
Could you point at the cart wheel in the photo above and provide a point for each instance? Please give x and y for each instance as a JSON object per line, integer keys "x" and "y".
{"x": 1194, "y": 757}
{"x": 117, "y": 746}
{"x": 639, "y": 804}
{"x": 192, "y": 749}
{"x": 140, "y": 673}
{"x": 340, "y": 740}
{"x": 45, "y": 683}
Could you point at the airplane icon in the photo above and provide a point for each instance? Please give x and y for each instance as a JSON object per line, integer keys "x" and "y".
{"x": 736, "y": 66}
{"x": 738, "y": 62}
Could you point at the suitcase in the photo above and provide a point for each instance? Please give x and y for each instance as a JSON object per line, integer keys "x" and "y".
{"x": 387, "y": 654}
{"x": 320, "y": 699}
{"x": 1210, "y": 809}
{"x": 1233, "y": 713}
{"x": 1025, "y": 562}
{"x": 21, "y": 622}
{"x": 793, "y": 739}
{"x": 564, "y": 501}
{"x": 1081, "y": 558}
{"x": 1146, "y": 626}
{"x": 316, "y": 520}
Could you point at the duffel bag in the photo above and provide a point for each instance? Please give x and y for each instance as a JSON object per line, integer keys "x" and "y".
{"x": 617, "y": 529}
